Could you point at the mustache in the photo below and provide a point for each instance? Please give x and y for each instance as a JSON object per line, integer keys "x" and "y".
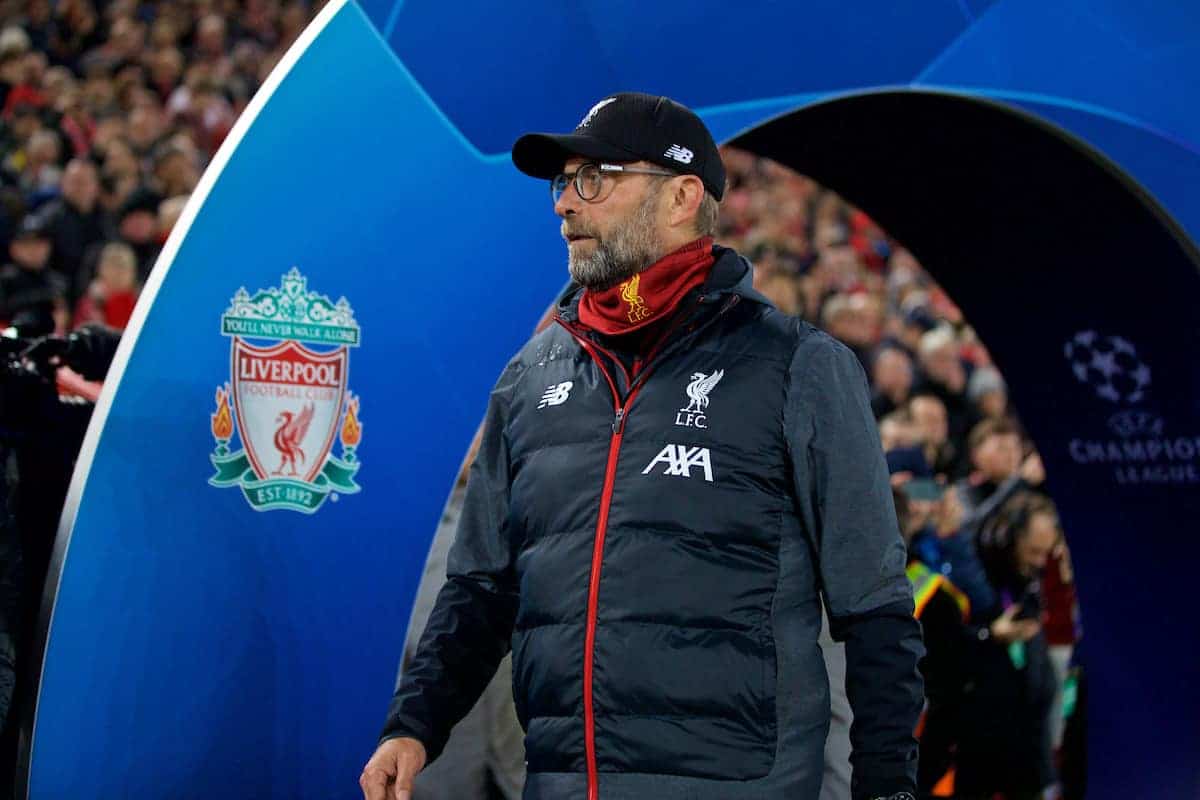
{"x": 577, "y": 230}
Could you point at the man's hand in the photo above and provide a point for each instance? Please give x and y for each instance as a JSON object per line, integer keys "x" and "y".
{"x": 46, "y": 355}
{"x": 395, "y": 763}
{"x": 1006, "y": 630}
{"x": 1032, "y": 469}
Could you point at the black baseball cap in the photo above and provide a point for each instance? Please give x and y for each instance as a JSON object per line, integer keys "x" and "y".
{"x": 33, "y": 226}
{"x": 629, "y": 126}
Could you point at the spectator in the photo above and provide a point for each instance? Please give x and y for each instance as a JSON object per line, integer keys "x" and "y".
{"x": 851, "y": 319}
{"x": 928, "y": 413}
{"x": 23, "y": 120}
{"x": 943, "y": 611}
{"x": 26, "y": 286}
{"x": 897, "y": 431}
{"x": 137, "y": 225}
{"x": 76, "y": 223}
{"x": 169, "y": 211}
{"x": 40, "y": 173}
{"x": 174, "y": 171}
{"x": 110, "y": 298}
{"x": 988, "y": 393}
{"x": 915, "y": 323}
{"x": 780, "y": 290}
{"x": 995, "y": 450}
{"x": 145, "y": 129}
{"x": 945, "y": 374}
{"x": 891, "y": 380}
{"x": 1003, "y": 741}
{"x": 1061, "y": 624}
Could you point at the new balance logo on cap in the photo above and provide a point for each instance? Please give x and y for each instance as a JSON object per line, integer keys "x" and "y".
{"x": 556, "y": 394}
{"x": 680, "y": 154}
{"x": 680, "y": 459}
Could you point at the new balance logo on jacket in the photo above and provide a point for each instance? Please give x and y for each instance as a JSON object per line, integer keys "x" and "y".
{"x": 680, "y": 459}
{"x": 556, "y": 394}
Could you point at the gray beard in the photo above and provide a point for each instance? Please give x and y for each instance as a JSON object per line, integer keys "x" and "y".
{"x": 628, "y": 250}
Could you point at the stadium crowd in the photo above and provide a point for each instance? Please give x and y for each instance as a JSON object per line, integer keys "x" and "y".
{"x": 109, "y": 112}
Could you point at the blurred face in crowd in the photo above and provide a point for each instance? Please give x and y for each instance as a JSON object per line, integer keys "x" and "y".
{"x": 896, "y": 432}
{"x": 998, "y": 456}
{"x": 44, "y": 148}
{"x": 615, "y": 236}
{"x": 163, "y": 32}
{"x": 119, "y": 160}
{"x": 139, "y": 227}
{"x": 70, "y": 104}
{"x": 293, "y": 20}
{"x": 118, "y": 271}
{"x": 145, "y": 126}
{"x": 167, "y": 67}
{"x": 108, "y": 129}
{"x": 840, "y": 263}
{"x": 892, "y": 373}
{"x": 127, "y": 37}
{"x": 30, "y": 252}
{"x": 993, "y": 404}
{"x": 1032, "y": 550}
{"x": 39, "y": 12}
{"x": 169, "y": 211}
{"x": 855, "y": 323}
{"x": 99, "y": 92}
{"x": 210, "y": 36}
{"x": 929, "y": 414}
{"x": 25, "y": 123}
{"x": 944, "y": 366}
{"x": 779, "y": 289}
{"x": 176, "y": 172}
{"x": 80, "y": 185}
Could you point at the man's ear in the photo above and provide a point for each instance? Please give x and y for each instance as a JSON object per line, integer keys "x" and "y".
{"x": 685, "y": 200}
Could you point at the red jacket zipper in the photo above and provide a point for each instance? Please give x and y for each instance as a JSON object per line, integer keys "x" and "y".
{"x": 589, "y": 647}
{"x": 620, "y": 415}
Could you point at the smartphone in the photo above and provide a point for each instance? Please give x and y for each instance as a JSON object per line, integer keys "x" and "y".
{"x": 923, "y": 489}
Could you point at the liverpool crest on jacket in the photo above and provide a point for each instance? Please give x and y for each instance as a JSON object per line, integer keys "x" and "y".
{"x": 287, "y": 400}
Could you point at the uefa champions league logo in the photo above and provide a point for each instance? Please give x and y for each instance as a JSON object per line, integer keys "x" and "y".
{"x": 1143, "y": 452}
{"x": 1110, "y": 365}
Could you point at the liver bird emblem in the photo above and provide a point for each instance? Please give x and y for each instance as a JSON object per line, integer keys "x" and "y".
{"x": 289, "y": 435}
{"x": 698, "y": 389}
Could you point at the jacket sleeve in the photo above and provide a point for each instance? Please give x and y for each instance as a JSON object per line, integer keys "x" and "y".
{"x": 470, "y": 626}
{"x": 845, "y": 502}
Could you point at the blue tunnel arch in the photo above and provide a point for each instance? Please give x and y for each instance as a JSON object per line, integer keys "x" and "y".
{"x": 1037, "y": 236}
{"x": 205, "y": 593}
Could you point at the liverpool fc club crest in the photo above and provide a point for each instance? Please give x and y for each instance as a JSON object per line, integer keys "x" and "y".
{"x": 693, "y": 415}
{"x": 287, "y": 399}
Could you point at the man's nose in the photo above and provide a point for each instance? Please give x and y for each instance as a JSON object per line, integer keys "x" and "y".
{"x": 568, "y": 202}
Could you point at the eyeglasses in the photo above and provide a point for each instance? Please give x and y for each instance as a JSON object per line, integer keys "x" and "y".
{"x": 589, "y": 179}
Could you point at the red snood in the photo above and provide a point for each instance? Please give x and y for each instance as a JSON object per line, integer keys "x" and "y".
{"x": 651, "y": 295}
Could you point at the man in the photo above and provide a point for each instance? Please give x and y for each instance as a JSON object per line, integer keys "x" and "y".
{"x": 945, "y": 374}
{"x": 27, "y": 289}
{"x": 928, "y": 413}
{"x": 671, "y": 479}
{"x": 76, "y": 223}
{"x": 892, "y": 377}
{"x": 998, "y": 469}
